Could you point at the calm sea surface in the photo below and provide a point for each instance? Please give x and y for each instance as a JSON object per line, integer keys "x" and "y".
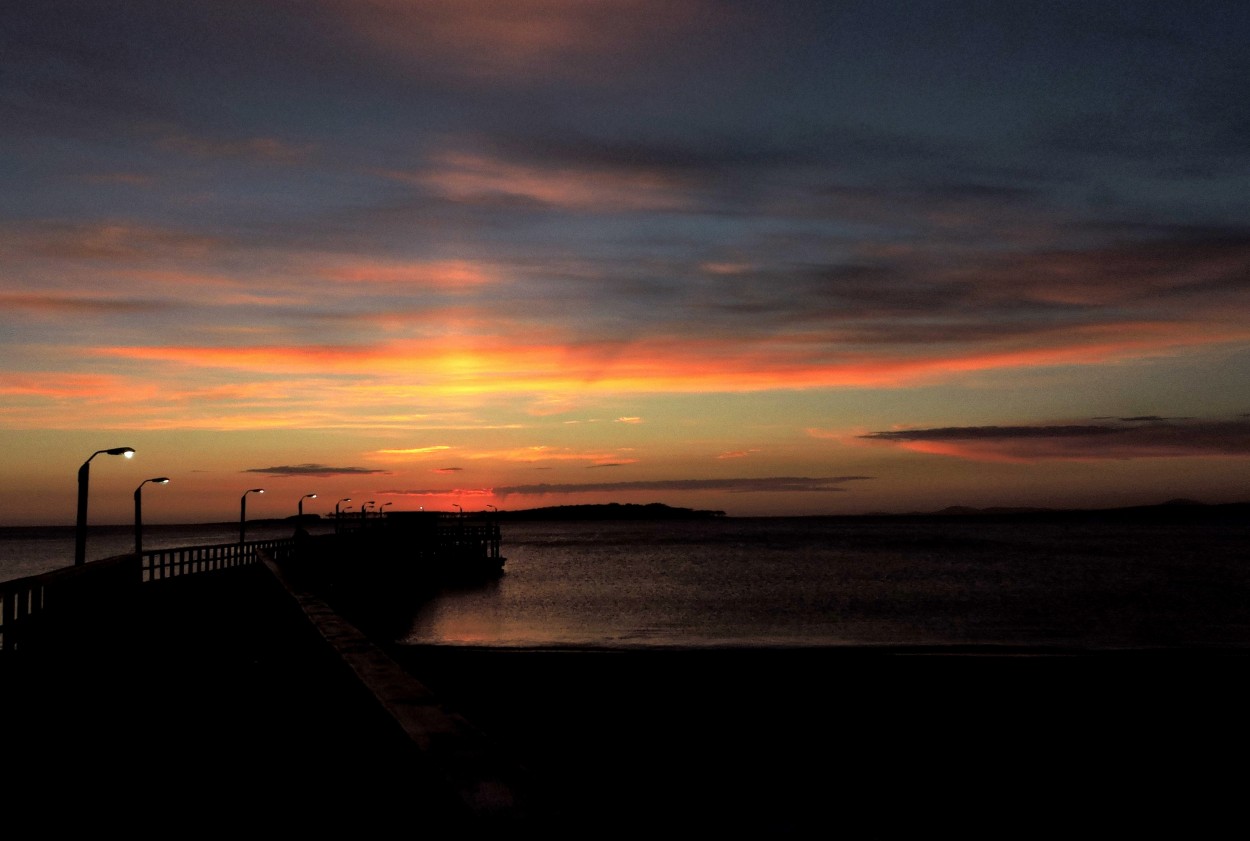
{"x": 764, "y": 582}
{"x": 836, "y": 581}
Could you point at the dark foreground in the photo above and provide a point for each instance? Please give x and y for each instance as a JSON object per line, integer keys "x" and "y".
{"x": 214, "y": 711}
{"x": 795, "y": 742}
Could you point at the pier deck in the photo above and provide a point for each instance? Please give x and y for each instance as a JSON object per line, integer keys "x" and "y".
{"x": 226, "y": 697}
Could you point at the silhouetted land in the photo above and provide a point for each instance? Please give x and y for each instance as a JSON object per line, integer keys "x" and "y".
{"x": 1175, "y": 511}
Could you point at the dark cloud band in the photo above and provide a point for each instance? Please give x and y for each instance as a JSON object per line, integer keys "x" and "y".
{"x": 773, "y": 484}
{"x": 1142, "y": 436}
{"x": 314, "y": 470}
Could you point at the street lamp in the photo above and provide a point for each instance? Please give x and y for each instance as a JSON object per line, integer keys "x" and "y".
{"x": 338, "y": 513}
{"x": 380, "y": 507}
{"x": 161, "y": 480}
{"x": 243, "y": 512}
{"x": 461, "y": 507}
{"x": 301, "y": 504}
{"x": 84, "y": 476}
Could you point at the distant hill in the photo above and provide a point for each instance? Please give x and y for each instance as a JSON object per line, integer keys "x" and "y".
{"x": 1172, "y": 511}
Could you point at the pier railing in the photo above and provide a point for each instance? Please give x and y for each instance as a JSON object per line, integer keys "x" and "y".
{"x": 407, "y": 547}
{"x": 159, "y": 564}
{"x": 30, "y": 605}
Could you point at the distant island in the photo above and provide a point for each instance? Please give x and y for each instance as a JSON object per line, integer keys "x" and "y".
{"x": 1172, "y": 511}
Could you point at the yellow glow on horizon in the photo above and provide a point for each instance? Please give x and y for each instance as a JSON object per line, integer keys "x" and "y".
{"x": 416, "y": 450}
{"x": 353, "y": 386}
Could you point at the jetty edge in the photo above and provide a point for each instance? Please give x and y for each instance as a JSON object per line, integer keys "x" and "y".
{"x": 231, "y": 689}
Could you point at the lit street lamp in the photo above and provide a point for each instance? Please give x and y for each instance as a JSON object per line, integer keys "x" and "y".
{"x": 301, "y": 504}
{"x": 243, "y": 512}
{"x": 84, "y": 477}
{"x": 161, "y": 480}
{"x": 338, "y": 513}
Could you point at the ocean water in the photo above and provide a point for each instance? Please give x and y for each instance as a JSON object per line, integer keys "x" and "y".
{"x": 795, "y": 582}
{"x": 36, "y": 549}
{"x": 764, "y": 582}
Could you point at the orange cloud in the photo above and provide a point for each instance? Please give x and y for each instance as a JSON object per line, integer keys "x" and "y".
{"x": 413, "y": 451}
{"x": 1126, "y": 438}
{"x": 76, "y": 305}
{"x": 440, "y": 274}
{"x": 436, "y": 492}
{"x": 489, "y": 38}
{"x": 480, "y": 365}
{"x": 109, "y": 241}
{"x": 470, "y": 178}
{"x": 543, "y": 453}
{"x": 64, "y": 386}
{"x": 264, "y": 149}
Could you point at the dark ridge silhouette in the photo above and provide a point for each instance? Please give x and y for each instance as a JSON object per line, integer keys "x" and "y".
{"x": 1173, "y": 511}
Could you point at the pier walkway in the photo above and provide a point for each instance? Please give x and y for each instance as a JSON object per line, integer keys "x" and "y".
{"x": 229, "y": 699}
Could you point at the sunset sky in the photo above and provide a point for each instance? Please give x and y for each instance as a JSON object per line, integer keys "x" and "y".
{"x": 760, "y": 257}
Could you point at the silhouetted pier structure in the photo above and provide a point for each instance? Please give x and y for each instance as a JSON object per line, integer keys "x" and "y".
{"x": 220, "y": 682}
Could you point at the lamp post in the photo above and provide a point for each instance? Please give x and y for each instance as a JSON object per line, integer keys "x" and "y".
{"x": 160, "y": 480}
{"x": 338, "y": 513}
{"x": 461, "y": 507}
{"x": 84, "y": 477}
{"x": 243, "y": 512}
{"x": 380, "y": 507}
{"x": 301, "y": 504}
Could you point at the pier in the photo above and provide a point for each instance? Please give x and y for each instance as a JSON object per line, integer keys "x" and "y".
{"x": 214, "y": 687}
